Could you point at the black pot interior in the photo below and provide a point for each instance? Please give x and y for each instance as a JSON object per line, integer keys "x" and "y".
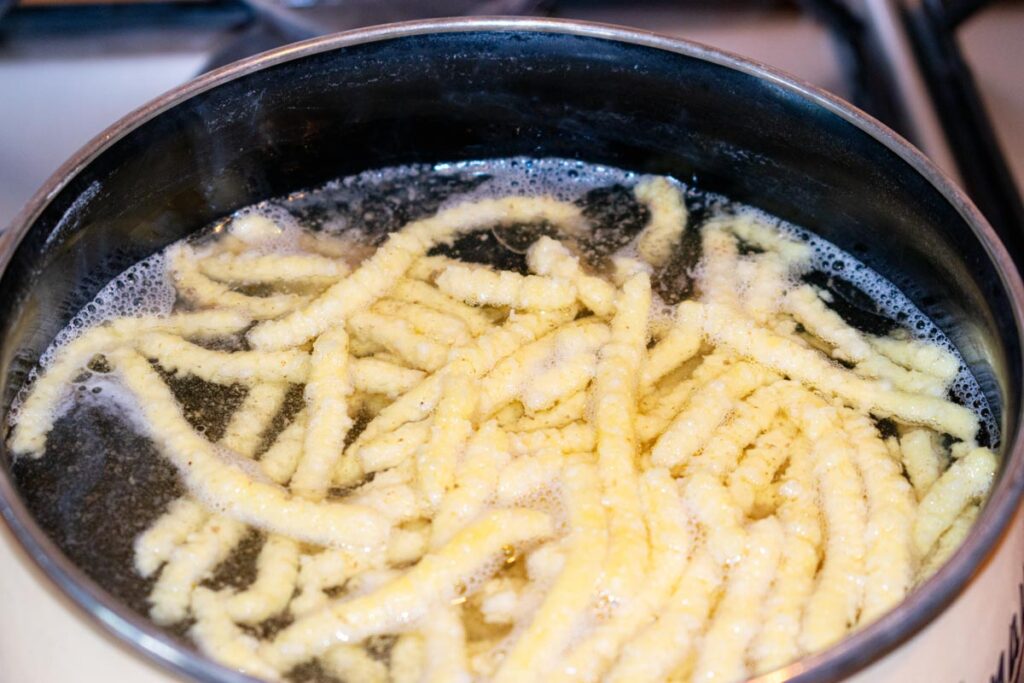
{"x": 472, "y": 95}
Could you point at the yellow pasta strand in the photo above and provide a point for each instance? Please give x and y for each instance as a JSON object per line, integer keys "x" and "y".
{"x": 921, "y": 459}
{"x": 419, "y": 292}
{"x": 476, "y": 480}
{"x": 551, "y": 258}
{"x": 751, "y": 228}
{"x": 920, "y": 355}
{"x": 184, "y": 267}
{"x": 847, "y": 343}
{"x": 664, "y": 407}
{"x": 191, "y": 563}
{"x": 760, "y": 463}
{"x": 280, "y": 460}
{"x": 273, "y": 268}
{"x": 567, "y": 377}
{"x": 409, "y": 597}
{"x": 667, "y": 222}
{"x": 440, "y": 327}
{"x": 738, "y": 617}
{"x": 375, "y": 376}
{"x": 391, "y": 450}
{"x": 722, "y": 520}
{"x": 966, "y": 481}
{"x": 659, "y": 648}
{"x": 220, "y": 639}
{"x": 948, "y": 543}
{"x": 398, "y": 336}
{"x": 574, "y": 437}
{"x": 833, "y": 606}
{"x": 680, "y": 344}
{"x": 564, "y": 606}
{"x": 691, "y": 429}
{"x": 910, "y": 381}
{"x": 614, "y": 401}
{"x": 568, "y": 410}
{"x": 277, "y": 569}
{"x": 808, "y": 367}
{"x": 776, "y": 644}
{"x": 481, "y": 286}
{"x": 37, "y": 414}
{"x": 763, "y": 296}
{"x": 327, "y": 420}
{"x": 178, "y": 356}
{"x": 718, "y": 277}
{"x": 889, "y": 561}
{"x": 452, "y": 426}
{"x": 156, "y": 544}
{"x": 227, "y": 487}
{"x": 247, "y": 424}
{"x": 670, "y": 547}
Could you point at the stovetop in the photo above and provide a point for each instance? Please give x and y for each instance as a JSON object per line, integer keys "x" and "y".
{"x": 66, "y": 72}
{"x": 945, "y": 73}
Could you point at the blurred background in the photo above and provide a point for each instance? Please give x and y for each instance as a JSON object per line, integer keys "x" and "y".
{"x": 947, "y": 74}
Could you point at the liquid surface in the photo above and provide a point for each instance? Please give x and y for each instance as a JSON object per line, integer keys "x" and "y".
{"x": 106, "y": 480}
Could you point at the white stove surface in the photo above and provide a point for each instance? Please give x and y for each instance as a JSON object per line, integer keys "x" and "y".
{"x": 46, "y": 639}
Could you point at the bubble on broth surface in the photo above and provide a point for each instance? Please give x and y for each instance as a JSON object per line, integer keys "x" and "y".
{"x": 892, "y": 309}
{"x": 144, "y": 289}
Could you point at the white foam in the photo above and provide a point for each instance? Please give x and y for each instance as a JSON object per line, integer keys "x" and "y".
{"x": 564, "y": 179}
{"x": 892, "y": 304}
{"x": 144, "y": 289}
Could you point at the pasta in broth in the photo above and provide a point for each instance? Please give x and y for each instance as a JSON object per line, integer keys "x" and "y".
{"x": 544, "y": 463}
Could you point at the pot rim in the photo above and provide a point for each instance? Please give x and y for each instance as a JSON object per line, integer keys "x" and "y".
{"x": 849, "y": 655}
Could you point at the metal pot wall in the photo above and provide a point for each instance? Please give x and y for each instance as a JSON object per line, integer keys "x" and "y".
{"x": 470, "y": 89}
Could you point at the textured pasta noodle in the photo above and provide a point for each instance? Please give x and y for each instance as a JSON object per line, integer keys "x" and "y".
{"x": 615, "y": 393}
{"x": 429, "y": 469}
{"x": 327, "y": 419}
{"x": 777, "y": 642}
{"x": 208, "y": 293}
{"x": 550, "y": 258}
{"x": 227, "y": 487}
{"x": 563, "y": 607}
{"x": 247, "y": 425}
{"x": 670, "y": 548}
{"x": 966, "y": 481}
{"x": 37, "y": 413}
{"x": 273, "y": 268}
{"x": 410, "y": 596}
{"x": 668, "y": 219}
{"x": 485, "y": 287}
{"x": 175, "y": 355}
{"x": 737, "y": 618}
{"x": 155, "y": 545}
{"x": 833, "y": 606}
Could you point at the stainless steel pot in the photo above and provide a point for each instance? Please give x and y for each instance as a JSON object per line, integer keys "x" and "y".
{"x": 465, "y": 89}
